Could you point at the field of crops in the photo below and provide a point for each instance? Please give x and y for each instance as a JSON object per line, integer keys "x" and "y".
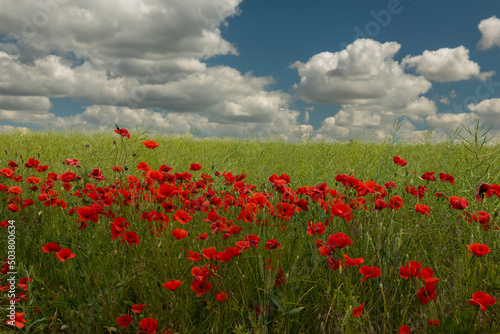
{"x": 135, "y": 232}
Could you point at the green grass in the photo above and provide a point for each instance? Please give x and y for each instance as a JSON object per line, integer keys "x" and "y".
{"x": 87, "y": 293}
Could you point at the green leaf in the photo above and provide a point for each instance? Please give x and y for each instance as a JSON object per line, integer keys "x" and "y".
{"x": 277, "y": 303}
{"x": 295, "y": 310}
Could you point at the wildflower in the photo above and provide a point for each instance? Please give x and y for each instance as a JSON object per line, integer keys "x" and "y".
{"x": 429, "y": 176}
{"x": 478, "y": 249}
{"x": 148, "y": 325}
{"x": 368, "y": 272}
{"x": 124, "y": 320}
{"x": 221, "y": 296}
{"x": 434, "y": 322}
{"x": 404, "y": 330}
{"x": 447, "y": 177}
{"x": 18, "y": 321}
{"x": 399, "y": 161}
{"x": 173, "y": 285}
{"x": 51, "y": 247}
{"x": 137, "y": 308}
{"x": 422, "y": 208}
{"x": 353, "y": 262}
{"x": 65, "y": 254}
{"x": 272, "y": 244}
{"x": 458, "y": 203}
{"x": 131, "y": 238}
{"x": 123, "y": 133}
{"x": 396, "y": 202}
{"x": 482, "y": 299}
{"x": 179, "y": 234}
{"x": 357, "y": 311}
{"x": 150, "y": 144}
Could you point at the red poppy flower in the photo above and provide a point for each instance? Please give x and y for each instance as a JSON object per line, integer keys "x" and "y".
{"x": 124, "y": 320}
{"x": 369, "y": 272}
{"x": 481, "y": 217}
{"x": 400, "y": 161}
{"x": 480, "y": 190}
{"x": 380, "y": 204}
{"x": 123, "y": 133}
{"x": 201, "y": 287}
{"x": 51, "y": 247}
{"x": 458, "y": 203}
{"x": 96, "y": 173}
{"x": 72, "y": 162}
{"x": 429, "y": 176}
{"x": 280, "y": 278}
{"x": 12, "y": 207}
{"x": 313, "y": 229}
{"x": 414, "y": 270}
{"x": 482, "y": 299}
{"x": 434, "y": 322}
{"x": 194, "y": 256}
{"x": 179, "y": 234}
{"x": 209, "y": 253}
{"x": 202, "y": 236}
{"x": 150, "y": 144}
{"x": 65, "y": 254}
{"x": 422, "y": 208}
{"x": 148, "y": 325}
{"x": 353, "y": 262}
{"x": 15, "y": 190}
{"x": 342, "y": 210}
{"x": 427, "y": 294}
{"x": 18, "y": 320}
{"x": 446, "y": 177}
{"x": 338, "y": 240}
{"x": 358, "y": 311}
{"x": 195, "y": 167}
{"x": 137, "y": 308}
{"x": 117, "y": 168}
{"x": 32, "y": 163}
{"x": 173, "y": 285}
{"x": 390, "y": 185}
{"x": 478, "y": 249}
{"x": 131, "y": 237}
{"x": 253, "y": 240}
{"x": 182, "y": 216}
{"x": 396, "y": 202}
{"x": 272, "y": 244}
{"x": 221, "y": 296}
{"x": 67, "y": 177}
{"x": 404, "y": 330}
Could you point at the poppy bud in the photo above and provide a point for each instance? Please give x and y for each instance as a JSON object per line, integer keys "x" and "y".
{"x": 87, "y": 145}
{"x": 114, "y": 142}
{"x": 133, "y": 154}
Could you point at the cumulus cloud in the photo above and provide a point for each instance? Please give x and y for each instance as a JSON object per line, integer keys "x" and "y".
{"x": 445, "y": 65}
{"x": 368, "y": 83}
{"x": 488, "y": 111}
{"x": 451, "y": 121}
{"x": 490, "y": 31}
{"x": 130, "y": 58}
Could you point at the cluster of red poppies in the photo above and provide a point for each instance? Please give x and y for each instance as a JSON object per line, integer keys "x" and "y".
{"x": 181, "y": 200}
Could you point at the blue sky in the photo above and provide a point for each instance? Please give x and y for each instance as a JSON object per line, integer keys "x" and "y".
{"x": 327, "y": 69}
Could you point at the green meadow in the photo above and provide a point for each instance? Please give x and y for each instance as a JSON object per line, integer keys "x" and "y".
{"x": 293, "y": 288}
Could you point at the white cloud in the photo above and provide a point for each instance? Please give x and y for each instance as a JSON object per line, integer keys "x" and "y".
{"x": 445, "y": 65}
{"x": 450, "y": 121}
{"x": 490, "y": 30}
{"x": 128, "y": 57}
{"x": 488, "y": 111}
{"x": 368, "y": 83}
